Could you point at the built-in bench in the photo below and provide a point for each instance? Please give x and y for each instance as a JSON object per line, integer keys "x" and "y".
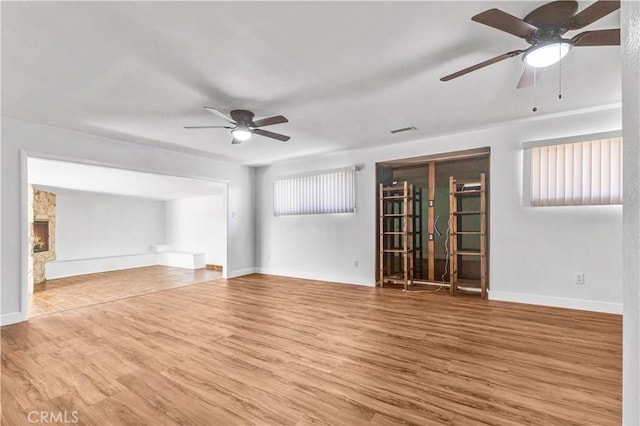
{"x": 160, "y": 255}
{"x": 179, "y": 259}
{"x": 182, "y": 259}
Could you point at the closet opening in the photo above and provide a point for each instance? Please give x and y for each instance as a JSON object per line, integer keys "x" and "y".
{"x": 433, "y": 221}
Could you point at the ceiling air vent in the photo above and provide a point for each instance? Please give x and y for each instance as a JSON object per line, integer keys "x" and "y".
{"x": 404, "y": 129}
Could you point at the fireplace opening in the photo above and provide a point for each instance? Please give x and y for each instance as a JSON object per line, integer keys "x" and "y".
{"x": 40, "y": 236}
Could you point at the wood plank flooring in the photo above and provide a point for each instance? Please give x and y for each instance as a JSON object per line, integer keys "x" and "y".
{"x": 279, "y": 351}
{"x": 84, "y": 290}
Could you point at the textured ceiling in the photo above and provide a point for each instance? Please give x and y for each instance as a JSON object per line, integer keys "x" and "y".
{"x": 345, "y": 74}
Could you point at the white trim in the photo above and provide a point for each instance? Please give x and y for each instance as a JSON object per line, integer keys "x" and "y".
{"x": 71, "y": 268}
{"x": 340, "y": 279}
{"x": 241, "y": 272}
{"x": 225, "y": 265}
{"x": 573, "y": 139}
{"x": 557, "y": 302}
{"x": 12, "y": 318}
{"x": 24, "y": 236}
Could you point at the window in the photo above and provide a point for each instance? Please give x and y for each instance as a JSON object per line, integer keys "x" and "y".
{"x": 321, "y": 193}
{"x": 585, "y": 170}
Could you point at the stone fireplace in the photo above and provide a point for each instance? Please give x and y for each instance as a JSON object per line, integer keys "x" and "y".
{"x": 42, "y": 234}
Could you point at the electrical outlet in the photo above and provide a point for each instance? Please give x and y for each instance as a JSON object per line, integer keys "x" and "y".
{"x": 578, "y": 278}
{"x": 355, "y": 263}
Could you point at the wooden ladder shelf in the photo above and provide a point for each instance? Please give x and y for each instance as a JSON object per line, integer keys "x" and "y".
{"x": 458, "y": 190}
{"x": 396, "y": 237}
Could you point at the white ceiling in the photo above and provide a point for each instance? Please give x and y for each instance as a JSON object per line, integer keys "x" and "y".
{"x": 85, "y": 177}
{"x": 343, "y": 73}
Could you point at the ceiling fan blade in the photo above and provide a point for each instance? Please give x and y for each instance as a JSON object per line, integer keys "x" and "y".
{"x": 208, "y": 127}
{"x": 481, "y": 65}
{"x": 220, "y": 114}
{"x": 591, "y": 14}
{"x": 272, "y": 135}
{"x": 500, "y": 20}
{"x": 278, "y": 119}
{"x": 555, "y": 14}
{"x": 528, "y": 76}
{"x": 235, "y": 141}
{"x": 598, "y": 38}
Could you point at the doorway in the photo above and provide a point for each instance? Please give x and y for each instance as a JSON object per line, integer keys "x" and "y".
{"x": 429, "y": 179}
{"x": 97, "y": 233}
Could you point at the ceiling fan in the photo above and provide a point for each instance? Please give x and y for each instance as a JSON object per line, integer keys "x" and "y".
{"x": 243, "y": 125}
{"x": 543, "y": 29}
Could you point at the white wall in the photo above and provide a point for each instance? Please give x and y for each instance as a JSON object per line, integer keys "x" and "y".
{"x": 630, "y": 24}
{"x": 534, "y": 251}
{"x": 48, "y": 141}
{"x": 90, "y": 225}
{"x": 199, "y": 225}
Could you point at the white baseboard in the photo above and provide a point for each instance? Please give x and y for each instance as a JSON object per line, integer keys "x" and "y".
{"x": 12, "y": 318}
{"x": 70, "y": 268}
{"x": 241, "y": 272}
{"x": 341, "y": 279}
{"x": 557, "y": 302}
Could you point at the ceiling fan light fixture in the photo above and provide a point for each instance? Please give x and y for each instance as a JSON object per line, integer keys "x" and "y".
{"x": 547, "y": 54}
{"x": 242, "y": 134}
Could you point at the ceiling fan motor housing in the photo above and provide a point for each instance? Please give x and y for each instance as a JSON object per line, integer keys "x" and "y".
{"x": 242, "y": 116}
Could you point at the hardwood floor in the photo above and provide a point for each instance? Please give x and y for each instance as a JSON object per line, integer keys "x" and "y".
{"x": 280, "y": 351}
{"x": 84, "y": 290}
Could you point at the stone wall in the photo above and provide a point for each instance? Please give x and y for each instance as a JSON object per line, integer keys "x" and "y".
{"x": 42, "y": 206}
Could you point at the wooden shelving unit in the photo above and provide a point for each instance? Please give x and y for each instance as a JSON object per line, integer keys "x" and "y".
{"x": 396, "y": 239}
{"x": 457, "y": 191}
{"x": 418, "y": 231}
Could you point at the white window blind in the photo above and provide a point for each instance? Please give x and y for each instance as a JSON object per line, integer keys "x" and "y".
{"x": 329, "y": 192}
{"x": 578, "y": 173}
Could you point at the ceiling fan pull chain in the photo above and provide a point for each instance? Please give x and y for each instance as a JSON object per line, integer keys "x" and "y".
{"x": 535, "y": 108}
{"x": 560, "y": 79}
